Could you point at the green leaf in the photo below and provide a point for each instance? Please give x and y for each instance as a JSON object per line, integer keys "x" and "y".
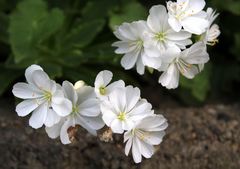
{"x": 232, "y": 6}
{"x": 96, "y": 9}
{"x": 130, "y": 12}
{"x": 30, "y": 25}
{"x": 4, "y": 22}
{"x": 7, "y": 77}
{"x": 83, "y": 34}
{"x": 52, "y": 69}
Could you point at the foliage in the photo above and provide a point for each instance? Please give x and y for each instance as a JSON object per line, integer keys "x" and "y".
{"x": 72, "y": 39}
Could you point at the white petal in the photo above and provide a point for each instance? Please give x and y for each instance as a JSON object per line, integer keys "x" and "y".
{"x": 147, "y": 150}
{"x": 64, "y": 131}
{"x": 154, "y": 138}
{"x": 126, "y": 31}
{"x": 26, "y": 107}
{"x": 108, "y": 118}
{"x": 41, "y": 80}
{"x": 103, "y": 78}
{"x": 25, "y": 91}
{"x": 116, "y": 126}
{"x": 123, "y": 47}
{"x": 90, "y": 123}
{"x": 157, "y": 18}
{"x": 195, "y": 25}
{"x": 142, "y": 109}
{"x": 137, "y": 157}
{"x": 89, "y": 108}
{"x": 132, "y": 97}
{"x": 30, "y": 70}
{"x": 151, "y": 122}
{"x": 127, "y": 124}
{"x": 118, "y": 99}
{"x": 61, "y": 105}
{"x": 182, "y": 35}
{"x": 170, "y": 78}
{"x": 87, "y": 124}
{"x": 127, "y": 135}
{"x": 117, "y": 84}
{"x": 54, "y": 131}
{"x": 52, "y": 118}
{"x": 84, "y": 93}
{"x": 190, "y": 72}
{"x": 174, "y": 23}
{"x": 69, "y": 91}
{"x": 152, "y": 50}
{"x": 39, "y": 116}
{"x": 129, "y": 59}
{"x": 153, "y": 62}
{"x": 128, "y": 146}
{"x": 196, "y": 6}
{"x": 140, "y": 66}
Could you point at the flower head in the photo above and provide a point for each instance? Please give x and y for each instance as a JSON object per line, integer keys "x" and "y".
{"x": 131, "y": 43}
{"x": 123, "y": 108}
{"x": 85, "y": 112}
{"x": 186, "y": 62}
{"x": 161, "y": 36}
{"x": 102, "y": 86}
{"x": 142, "y": 138}
{"x": 188, "y": 14}
{"x": 213, "y": 31}
{"x": 42, "y": 96}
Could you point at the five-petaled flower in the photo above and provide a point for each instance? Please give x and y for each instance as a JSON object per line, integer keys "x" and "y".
{"x": 43, "y": 97}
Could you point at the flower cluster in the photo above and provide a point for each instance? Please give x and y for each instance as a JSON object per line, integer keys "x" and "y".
{"x": 62, "y": 107}
{"x": 172, "y": 41}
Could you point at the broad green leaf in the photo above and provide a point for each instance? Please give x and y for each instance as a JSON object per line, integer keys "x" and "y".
{"x": 132, "y": 11}
{"x": 30, "y": 25}
{"x": 96, "y": 9}
{"x": 232, "y": 6}
{"x": 83, "y": 34}
{"x": 52, "y": 69}
{"x": 4, "y": 22}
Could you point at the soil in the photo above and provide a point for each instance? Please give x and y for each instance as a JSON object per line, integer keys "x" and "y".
{"x": 206, "y": 137}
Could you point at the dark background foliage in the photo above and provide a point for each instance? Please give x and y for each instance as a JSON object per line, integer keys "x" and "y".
{"x": 71, "y": 39}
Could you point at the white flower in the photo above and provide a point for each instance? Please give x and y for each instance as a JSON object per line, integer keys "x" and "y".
{"x": 124, "y": 108}
{"x": 213, "y": 31}
{"x": 161, "y": 36}
{"x": 102, "y": 86}
{"x": 85, "y": 112}
{"x": 42, "y": 96}
{"x": 185, "y": 62}
{"x": 147, "y": 133}
{"x": 131, "y": 44}
{"x": 188, "y": 14}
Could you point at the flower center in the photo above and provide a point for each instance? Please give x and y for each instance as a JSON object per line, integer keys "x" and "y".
{"x": 75, "y": 110}
{"x": 102, "y": 90}
{"x": 122, "y": 116}
{"x": 160, "y": 36}
{"x": 47, "y": 96}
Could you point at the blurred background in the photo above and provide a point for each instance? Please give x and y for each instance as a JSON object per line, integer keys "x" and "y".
{"x": 72, "y": 40}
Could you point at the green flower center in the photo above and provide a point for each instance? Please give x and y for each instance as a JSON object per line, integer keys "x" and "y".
{"x": 102, "y": 90}
{"x": 47, "y": 96}
{"x": 75, "y": 110}
{"x": 160, "y": 36}
{"x": 122, "y": 116}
